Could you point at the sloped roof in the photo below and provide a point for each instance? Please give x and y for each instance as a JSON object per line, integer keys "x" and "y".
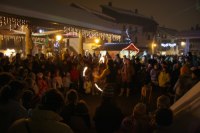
{"x": 132, "y": 15}
{"x": 120, "y": 46}
{"x": 131, "y": 47}
{"x": 112, "y": 46}
{"x": 124, "y": 11}
{"x": 99, "y": 14}
{"x": 57, "y": 11}
{"x": 188, "y": 34}
{"x": 168, "y": 31}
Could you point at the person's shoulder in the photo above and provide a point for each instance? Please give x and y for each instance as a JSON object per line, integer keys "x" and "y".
{"x": 82, "y": 106}
{"x": 127, "y": 119}
{"x": 63, "y": 128}
{"x": 18, "y": 125}
{"x": 62, "y": 125}
{"x": 82, "y": 102}
{"x": 21, "y": 121}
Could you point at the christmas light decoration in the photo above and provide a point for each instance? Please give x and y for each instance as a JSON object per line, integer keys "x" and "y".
{"x": 168, "y": 44}
{"x": 88, "y": 33}
{"x": 12, "y": 22}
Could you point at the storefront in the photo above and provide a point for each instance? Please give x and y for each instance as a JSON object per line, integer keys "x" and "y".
{"x": 30, "y": 29}
{"x": 170, "y": 48}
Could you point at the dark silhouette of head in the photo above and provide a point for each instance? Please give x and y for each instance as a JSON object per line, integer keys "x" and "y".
{"x": 110, "y": 63}
{"x": 13, "y": 90}
{"x": 52, "y": 100}
{"x": 72, "y": 96}
{"x": 5, "y": 78}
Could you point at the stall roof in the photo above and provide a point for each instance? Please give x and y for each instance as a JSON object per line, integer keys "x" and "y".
{"x": 57, "y": 11}
{"x": 112, "y": 46}
{"x": 118, "y": 47}
{"x": 131, "y": 47}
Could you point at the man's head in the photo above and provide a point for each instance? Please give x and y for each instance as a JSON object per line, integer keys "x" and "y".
{"x": 52, "y": 100}
{"x": 163, "y": 101}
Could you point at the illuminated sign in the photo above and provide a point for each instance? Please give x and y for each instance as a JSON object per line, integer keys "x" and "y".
{"x": 168, "y": 44}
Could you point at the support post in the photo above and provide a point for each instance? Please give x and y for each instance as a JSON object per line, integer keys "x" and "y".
{"x": 80, "y": 44}
{"x": 28, "y": 41}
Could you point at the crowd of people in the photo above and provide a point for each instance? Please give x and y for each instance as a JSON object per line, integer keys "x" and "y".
{"x": 40, "y": 94}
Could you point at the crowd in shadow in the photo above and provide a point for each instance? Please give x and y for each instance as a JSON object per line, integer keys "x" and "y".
{"x": 39, "y": 94}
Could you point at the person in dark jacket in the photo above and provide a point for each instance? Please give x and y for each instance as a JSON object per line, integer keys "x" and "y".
{"x": 11, "y": 108}
{"x": 76, "y": 113}
{"x": 107, "y": 116}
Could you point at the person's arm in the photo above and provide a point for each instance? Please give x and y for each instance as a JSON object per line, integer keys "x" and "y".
{"x": 103, "y": 74}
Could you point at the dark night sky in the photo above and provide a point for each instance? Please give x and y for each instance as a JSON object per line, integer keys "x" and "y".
{"x": 176, "y": 14}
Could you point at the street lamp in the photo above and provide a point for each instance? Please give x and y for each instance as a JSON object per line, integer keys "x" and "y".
{"x": 153, "y": 45}
{"x": 57, "y": 44}
{"x": 97, "y": 40}
{"x": 183, "y": 47}
{"x": 183, "y": 44}
{"x": 58, "y": 37}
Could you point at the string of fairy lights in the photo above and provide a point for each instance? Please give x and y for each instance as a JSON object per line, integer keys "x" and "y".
{"x": 12, "y": 22}
{"x": 12, "y": 37}
{"x": 16, "y": 23}
{"x": 92, "y": 33}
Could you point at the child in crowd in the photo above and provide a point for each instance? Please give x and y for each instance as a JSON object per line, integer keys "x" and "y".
{"x": 57, "y": 80}
{"x": 66, "y": 80}
{"x": 42, "y": 85}
{"x": 48, "y": 79}
{"x": 146, "y": 92}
